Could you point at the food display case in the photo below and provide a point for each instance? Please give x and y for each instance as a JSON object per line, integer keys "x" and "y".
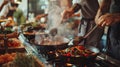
{"x": 13, "y": 50}
{"x": 9, "y": 41}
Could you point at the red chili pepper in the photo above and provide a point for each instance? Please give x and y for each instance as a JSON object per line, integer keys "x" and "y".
{"x": 81, "y": 47}
{"x": 69, "y": 54}
{"x": 86, "y": 55}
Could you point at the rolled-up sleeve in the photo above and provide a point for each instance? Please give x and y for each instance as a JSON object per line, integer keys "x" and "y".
{"x": 4, "y": 11}
{"x": 76, "y": 1}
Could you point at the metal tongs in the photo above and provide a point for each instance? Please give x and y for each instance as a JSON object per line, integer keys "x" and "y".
{"x": 82, "y": 38}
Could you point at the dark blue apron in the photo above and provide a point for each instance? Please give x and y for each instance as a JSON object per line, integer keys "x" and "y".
{"x": 10, "y": 13}
{"x": 113, "y": 42}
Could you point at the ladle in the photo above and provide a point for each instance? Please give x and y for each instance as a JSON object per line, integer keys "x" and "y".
{"x": 53, "y": 32}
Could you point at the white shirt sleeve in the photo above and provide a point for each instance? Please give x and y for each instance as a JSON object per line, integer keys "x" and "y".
{"x": 76, "y": 1}
{"x": 4, "y": 11}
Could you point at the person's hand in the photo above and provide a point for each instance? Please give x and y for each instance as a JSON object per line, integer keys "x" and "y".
{"x": 106, "y": 20}
{"x": 67, "y": 14}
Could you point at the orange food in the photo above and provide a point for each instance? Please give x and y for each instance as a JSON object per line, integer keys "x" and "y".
{"x": 12, "y": 43}
{"x": 7, "y": 58}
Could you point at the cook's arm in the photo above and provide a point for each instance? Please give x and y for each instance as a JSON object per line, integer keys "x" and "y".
{"x": 69, "y": 12}
{"x": 4, "y": 11}
{"x": 4, "y": 3}
{"x": 104, "y": 8}
{"x": 103, "y": 16}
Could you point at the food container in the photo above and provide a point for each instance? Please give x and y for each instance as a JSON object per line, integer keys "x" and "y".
{"x": 13, "y": 45}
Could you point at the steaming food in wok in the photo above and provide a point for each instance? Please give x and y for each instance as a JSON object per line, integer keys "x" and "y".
{"x": 49, "y": 42}
{"x": 58, "y": 40}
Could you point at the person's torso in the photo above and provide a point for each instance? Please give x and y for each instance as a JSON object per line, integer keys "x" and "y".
{"x": 114, "y": 33}
{"x": 89, "y": 8}
{"x": 115, "y": 6}
{"x": 10, "y": 13}
{"x": 115, "y": 29}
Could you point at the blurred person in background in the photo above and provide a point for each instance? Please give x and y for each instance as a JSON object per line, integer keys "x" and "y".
{"x": 109, "y": 15}
{"x": 88, "y": 10}
{"x": 10, "y": 10}
{"x": 19, "y": 17}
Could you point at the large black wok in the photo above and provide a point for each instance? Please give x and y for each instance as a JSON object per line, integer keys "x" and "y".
{"x": 45, "y": 48}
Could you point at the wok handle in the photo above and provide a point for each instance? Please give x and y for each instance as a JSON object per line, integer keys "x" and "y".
{"x": 81, "y": 39}
{"x": 94, "y": 28}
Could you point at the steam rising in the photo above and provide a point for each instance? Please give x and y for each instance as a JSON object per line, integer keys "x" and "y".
{"x": 54, "y": 21}
{"x": 54, "y": 16}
